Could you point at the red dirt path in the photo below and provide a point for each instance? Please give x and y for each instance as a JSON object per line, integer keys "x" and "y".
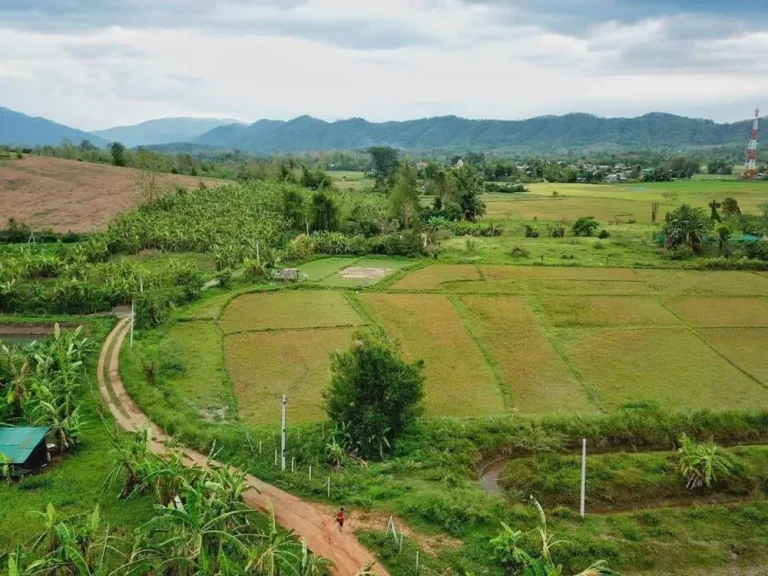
{"x": 315, "y": 523}
{"x": 69, "y": 195}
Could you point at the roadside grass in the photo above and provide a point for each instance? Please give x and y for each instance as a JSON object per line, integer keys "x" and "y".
{"x": 712, "y": 312}
{"x": 75, "y": 484}
{"x": 431, "y": 277}
{"x": 704, "y": 283}
{"x": 745, "y": 347}
{"x": 669, "y": 365}
{"x": 623, "y": 479}
{"x": 265, "y": 365}
{"x": 605, "y": 311}
{"x": 389, "y": 265}
{"x": 458, "y": 380}
{"x": 288, "y": 309}
{"x": 537, "y": 376}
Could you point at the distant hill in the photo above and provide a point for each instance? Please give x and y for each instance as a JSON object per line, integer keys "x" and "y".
{"x": 18, "y": 129}
{"x": 571, "y": 131}
{"x": 162, "y": 131}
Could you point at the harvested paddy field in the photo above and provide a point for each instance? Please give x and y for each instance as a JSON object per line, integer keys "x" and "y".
{"x": 67, "y": 195}
{"x": 604, "y": 311}
{"x": 668, "y": 365}
{"x": 459, "y": 382}
{"x": 538, "y": 378}
{"x": 265, "y": 365}
{"x": 289, "y": 309}
{"x": 431, "y": 277}
{"x": 712, "y": 312}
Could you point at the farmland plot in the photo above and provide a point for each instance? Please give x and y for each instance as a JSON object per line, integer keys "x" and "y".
{"x": 458, "y": 380}
{"x": 602, "y": 311}
{"x": 433, "y": 276}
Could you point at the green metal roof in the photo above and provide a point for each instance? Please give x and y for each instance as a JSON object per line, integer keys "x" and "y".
{"x": 18, "y": 443}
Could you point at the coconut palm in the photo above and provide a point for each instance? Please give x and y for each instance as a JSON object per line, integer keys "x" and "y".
{"x": 685, "y": 227}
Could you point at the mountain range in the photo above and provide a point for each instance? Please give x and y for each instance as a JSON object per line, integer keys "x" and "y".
{"x": 448, "y": 133}
{"x": 162, "y": 131}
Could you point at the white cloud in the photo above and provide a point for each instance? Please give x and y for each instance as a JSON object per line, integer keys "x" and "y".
{"x": 381, "y": 60}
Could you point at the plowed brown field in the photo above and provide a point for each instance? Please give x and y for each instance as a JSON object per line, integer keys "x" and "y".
{"x": 69, "y": 195}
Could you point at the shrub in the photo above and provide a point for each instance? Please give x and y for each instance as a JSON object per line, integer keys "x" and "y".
{"x": 531, "y": 232}
{"x": 555, "y": 230}
{"x": 700, "y": 463}
{"x": 374, "y": 395}
{"x": 585, "y": 226}
{"x": 603, "y": 234}
{"x": 518, "y": 252}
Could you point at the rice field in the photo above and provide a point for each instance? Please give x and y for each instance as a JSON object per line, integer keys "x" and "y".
{"x": 494, "y": 339}
{"x": 265, "y": 365}
{"x": 365, "y": 272}
{"x": 668, "y": 365}
{"x": 537, "y": 376}
{"x": 289, "y": 309}
{"x": 459, "y": 382}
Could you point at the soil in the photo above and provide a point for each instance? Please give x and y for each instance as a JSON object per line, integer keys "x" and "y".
{"x": 313, "y": 522}
{"x": 68, "y": 195}
{"x": 358, "y": 273}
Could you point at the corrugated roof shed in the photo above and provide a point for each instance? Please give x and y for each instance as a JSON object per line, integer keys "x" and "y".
{"x": 18, "y": 443}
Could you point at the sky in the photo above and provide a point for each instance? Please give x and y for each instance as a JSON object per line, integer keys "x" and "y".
{"x": 93, "y": 64}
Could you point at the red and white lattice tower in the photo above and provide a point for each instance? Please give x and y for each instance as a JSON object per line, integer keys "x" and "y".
{"x": 750, "y": 166}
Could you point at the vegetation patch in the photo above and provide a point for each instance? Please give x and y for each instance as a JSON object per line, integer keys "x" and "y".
{"x": 265, "y": 365}
{"x": 715, "y": 283}
{"x": 647, "y": 364}
{"x": 745, "y": 347}
{"x": 587, "y": 287}
{"x": 318, "y": 270}
{"x": 285, "y": 310}
{"x": 558, "y": 273}
{"x": 459, "y": 382}
{"x": 433, "y": 276}
{"x": 601, "y": 311}
{"x": 720, "y": 312}
{"x": 538, "y": 377}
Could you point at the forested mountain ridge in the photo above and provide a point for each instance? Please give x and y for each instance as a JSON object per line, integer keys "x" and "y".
{"x": 162, "y": 131}
{"x": 654, "y": 130}
{"x": 18, "y": 129}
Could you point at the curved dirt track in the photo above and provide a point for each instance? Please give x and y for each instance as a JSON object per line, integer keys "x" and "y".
{"x": 316, "y": 524}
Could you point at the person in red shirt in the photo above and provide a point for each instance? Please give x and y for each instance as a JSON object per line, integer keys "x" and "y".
{"x": 340, "y": 519}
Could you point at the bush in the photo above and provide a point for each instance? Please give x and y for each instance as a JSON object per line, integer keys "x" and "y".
{"x": 585, "y": 226}
{"x": 700, "y": 463}
{"x": 373, "y": 395}
{"x": 555, "y": 230}
{"x": 518, "y": 252}
{"x": 531, "y": 232}
{"x": 603, "y": 234}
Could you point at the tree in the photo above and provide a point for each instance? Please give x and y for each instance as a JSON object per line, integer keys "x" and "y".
{"x": 585, "y": 226}
{"x": 714, "y": 215}
{"x": 385, "y": 161}
{"x": 723, "y": 235}
{"x": 374, "y": 395}
{"x": 315, "y": 179}
{"x": 293, "y": 207}
{"x": 323, "y": 212}
{"x": 87, "y": 146}
{"x": 685, "y": 226}
{"x": 404, "y": 198}
{"x": 118, "y": 153}
{"x": 731, "y": 207}
{"x": 465, "y": 188}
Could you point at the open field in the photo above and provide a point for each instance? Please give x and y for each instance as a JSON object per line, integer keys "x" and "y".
{"x": 265, "y": 365}
{"x": 68, "y": 195}
{"x": 622, "y": 202}
{"x": 459, "y": 381}
{"x": 537, "y": 376}
{"x": 280, "y": 311}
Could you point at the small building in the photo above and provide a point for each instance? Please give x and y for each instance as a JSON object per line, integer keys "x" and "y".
{"x": 287, "y": 274}
{"x": 24, "y": 448}
{"x": 421, "y": 165}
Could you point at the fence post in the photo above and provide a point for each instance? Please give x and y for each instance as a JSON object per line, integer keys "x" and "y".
{"x": 310, "y": 472}
{"x": 583, "y": 474}
{"x": 133, "y": 317}
{"x": 293, "y": 463}
{"x": 417, "y": 561}
{"x": 282, "y": 441}
{"x": 329, "y": 486}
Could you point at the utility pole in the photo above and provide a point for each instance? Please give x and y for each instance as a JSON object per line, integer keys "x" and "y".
{"x": 283, "y": 435}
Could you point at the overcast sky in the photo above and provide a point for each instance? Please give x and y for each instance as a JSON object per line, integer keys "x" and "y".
{"x": 99, "y": 63}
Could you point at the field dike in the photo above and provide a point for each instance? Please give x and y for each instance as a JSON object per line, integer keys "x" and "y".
{"x": 314, "y": 523}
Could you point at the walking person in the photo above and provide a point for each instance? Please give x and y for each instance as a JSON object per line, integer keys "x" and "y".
{"x": 340, "y": 519}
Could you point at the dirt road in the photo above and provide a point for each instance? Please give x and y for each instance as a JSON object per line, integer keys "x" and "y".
{"x": 313, "y": 522}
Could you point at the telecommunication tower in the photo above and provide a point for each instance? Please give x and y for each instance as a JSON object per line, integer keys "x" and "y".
{"x": 750, "y": 166}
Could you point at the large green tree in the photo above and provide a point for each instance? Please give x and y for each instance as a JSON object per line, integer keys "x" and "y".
{"x": 385, "y": 161}
{"x": 323, "y": 212}
{"x": 404, "y": 197}
{"x": 118, "y": 153}
{"x": 373, "y": 394}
